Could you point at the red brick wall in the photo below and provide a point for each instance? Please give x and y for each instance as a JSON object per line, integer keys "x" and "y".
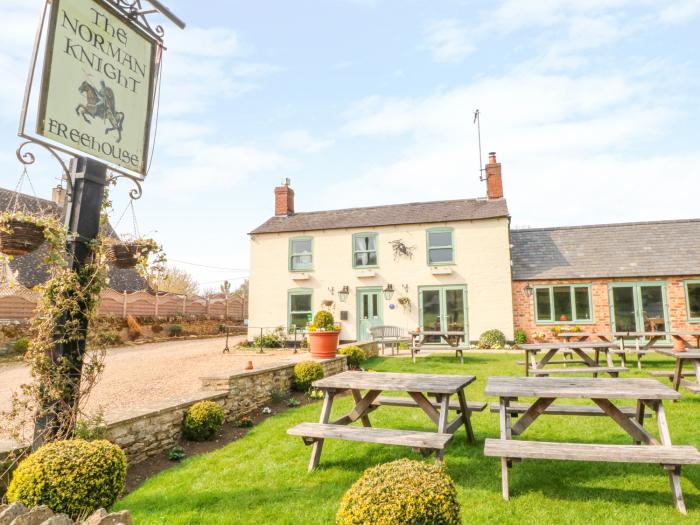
{"x": 524, "y": 306}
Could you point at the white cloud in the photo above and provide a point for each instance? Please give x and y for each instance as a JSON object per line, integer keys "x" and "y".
{"x": 680, "y": 12}
{"x": 448, "y": 41}
{"x": 300, "y": 140}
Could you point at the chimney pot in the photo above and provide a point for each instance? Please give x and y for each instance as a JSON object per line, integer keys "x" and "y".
{"x": 492, "y": 157}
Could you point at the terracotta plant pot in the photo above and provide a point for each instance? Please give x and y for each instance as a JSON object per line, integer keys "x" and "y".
{"x": 324, "y": 345}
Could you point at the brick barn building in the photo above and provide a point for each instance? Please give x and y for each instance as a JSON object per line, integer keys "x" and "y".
{"x": 642, "y": 276}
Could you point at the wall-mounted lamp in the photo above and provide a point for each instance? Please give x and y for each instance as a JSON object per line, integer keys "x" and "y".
{"x": 388, "y": 292}
{"x": 528, "y": 290}
{"x": 344, "y": 293}
{"x": 405, "y": 288}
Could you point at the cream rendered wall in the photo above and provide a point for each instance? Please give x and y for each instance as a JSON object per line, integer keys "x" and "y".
{"x": 482, "y": 262}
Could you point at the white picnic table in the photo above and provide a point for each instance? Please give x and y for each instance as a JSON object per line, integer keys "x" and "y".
{"x": 648, "y": 393}
{"x": 419, "y": 388}
{"x": 591, "y": 364}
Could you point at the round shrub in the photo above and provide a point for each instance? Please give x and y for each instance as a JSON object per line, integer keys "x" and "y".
{"x": 306, "y": 373}
{"x": 520, "y": 337}
{"x": 492, "y": 339}
{"x": 21, "y": 345}
{"x": 402, "y": 492}
{"x": 202, "y": 421}
{"x": 74, "y": 477}
{"x": 324, "y": 319}
{"x": 175, "y": 330}
{"x": 356, "y": 355}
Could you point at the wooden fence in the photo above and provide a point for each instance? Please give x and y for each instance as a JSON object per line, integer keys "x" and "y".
{"x": 17, "y": 304}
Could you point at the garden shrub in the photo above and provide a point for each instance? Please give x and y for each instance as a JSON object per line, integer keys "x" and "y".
{"x": 356, "y": 355}
{"x": 175, "y": 330}
{"x": 74, "y": 477}
{"x": 520, "y": 337}
{"x": 202, "y": 421}
{"x": 403, "y": 492}
{"x": 269, "y": 341}
{"x": 156, "y": 328}
{"x": 492, "y": 339}
{"x": 135, "y": 330}
{"x": 306, "y": 373}
{"x": 91, "y": 428}
{"x": 21, "y": 345}
{"x": 324, "y": 319}
{"x": 108, "y": 338}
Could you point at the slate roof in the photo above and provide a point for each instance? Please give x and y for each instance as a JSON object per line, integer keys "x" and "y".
{"x": 30, "y": 269}
{"x": 389, "y": 215}
{"x": 639, "y": 249}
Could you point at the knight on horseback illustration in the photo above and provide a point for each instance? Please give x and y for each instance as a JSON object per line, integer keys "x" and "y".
{"x": 101, "y": 104}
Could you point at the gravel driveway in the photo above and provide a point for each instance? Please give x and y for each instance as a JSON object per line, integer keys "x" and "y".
{"x": 139, "y": 375}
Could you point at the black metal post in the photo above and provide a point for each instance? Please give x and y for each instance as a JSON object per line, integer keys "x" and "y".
{"x": 82, "y": 220}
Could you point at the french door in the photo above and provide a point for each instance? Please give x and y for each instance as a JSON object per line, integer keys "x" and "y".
{"x": 638, "y": 307}
{"x": 443, "y": 308}
{"x": 369, "y": 311}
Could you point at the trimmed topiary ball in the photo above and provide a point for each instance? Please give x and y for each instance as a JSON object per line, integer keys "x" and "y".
{"x": 202, "y": 421}
{"x": 356, "y": 355}
{"x": 306, "y": 373}
{"x": 492, "y": 339}
{"x": 324, "y": 319}
{"x": 74, "y": 477}
{"x": 402, "y": 492}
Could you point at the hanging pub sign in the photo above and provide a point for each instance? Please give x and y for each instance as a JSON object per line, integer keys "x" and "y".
{"x": 98, "y": 82}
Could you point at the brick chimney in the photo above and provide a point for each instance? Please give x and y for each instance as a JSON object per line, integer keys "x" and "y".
{"x": 58, "y": 195}
{"x": 494, "y": 182}
{"x": 284, "y": 199}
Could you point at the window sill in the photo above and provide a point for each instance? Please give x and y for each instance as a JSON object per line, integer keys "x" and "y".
{"x": 364, "y": 272}
{"x": 441, "y": 270}
{"x": 300, "y": 276}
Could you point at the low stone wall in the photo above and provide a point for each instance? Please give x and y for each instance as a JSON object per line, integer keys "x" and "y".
{"x": 149, "y": 430}
{"x": 371, "y": 347}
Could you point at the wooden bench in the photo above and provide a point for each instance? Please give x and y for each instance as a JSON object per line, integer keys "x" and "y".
{"x": 614, "y": 371}
{"x": 657, "y": 454}
{"x": 669, "y": 374}
{"x": 393, "y": 335}
{"x": 566, "y": 410}
{"x": 472, "y": 406}
{"x": 669, "y": 457}
{"x": 424, "y": 442}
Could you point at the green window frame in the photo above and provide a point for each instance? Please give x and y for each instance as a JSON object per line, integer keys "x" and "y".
{"x": 562, "y": 299}
{"x": 692, "y": 304}
{"x": 301, "y": 260}
{"x": 296, "y": 310}
{"x": 439, "y": 247}
{"x": 366, "y": 251}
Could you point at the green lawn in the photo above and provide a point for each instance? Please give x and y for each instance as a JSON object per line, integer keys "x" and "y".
{"x": 262, "y": 478}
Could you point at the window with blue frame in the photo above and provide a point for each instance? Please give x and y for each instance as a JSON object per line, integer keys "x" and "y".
{"x": 299, "y": 307}
{"x": 692, "y": 300}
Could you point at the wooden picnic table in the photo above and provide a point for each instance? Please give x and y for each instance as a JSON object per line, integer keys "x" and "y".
{"x": 648, "y": 393}
{"x": 418, "y": 387}
{"x": 451, "y": 337}
{"x": 691, "y": 356}
{"x": 640, "y": 348}
{"x": 532, "y": 365}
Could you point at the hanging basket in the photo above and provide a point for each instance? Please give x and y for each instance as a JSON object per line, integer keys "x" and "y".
{"x": 125, "y": 255}
{"x": 19, "y": 237}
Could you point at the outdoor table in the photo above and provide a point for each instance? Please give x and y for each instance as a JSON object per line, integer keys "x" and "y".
{"x": 551, "y": 349}
{"x": 418, "y": 387}
{"x": 682, "y": 334}
{"x": 451, "y": 337}
{"x": 689, "y": 356}
{"x": 639, "y": 349}
{"x": 647, "y": 393}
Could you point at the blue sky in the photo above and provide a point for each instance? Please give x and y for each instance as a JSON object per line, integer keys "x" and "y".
{"x": 591, "y": 105}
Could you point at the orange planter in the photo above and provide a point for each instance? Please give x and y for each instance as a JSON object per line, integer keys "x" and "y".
{"x": 324, "y": 345}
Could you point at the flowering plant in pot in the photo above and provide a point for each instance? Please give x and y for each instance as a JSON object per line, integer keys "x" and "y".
{"x": 323, "y": 335}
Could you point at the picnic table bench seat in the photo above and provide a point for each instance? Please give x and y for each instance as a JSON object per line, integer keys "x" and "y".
{"x": 669, "y": 374}
{"x": 656, "y": 454}
{"x": 472, "y": 406}
{"x": 422, "y": 441}
{"x": 567, "y": 410}
{"x": 612, "y": 370}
